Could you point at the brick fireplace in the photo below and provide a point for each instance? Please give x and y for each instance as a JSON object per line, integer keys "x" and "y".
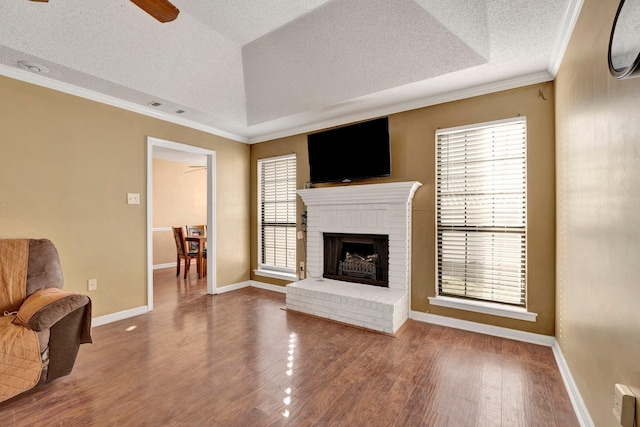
{"x": 358, "y": 211}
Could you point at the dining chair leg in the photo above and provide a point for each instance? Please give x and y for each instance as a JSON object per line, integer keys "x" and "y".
{"x": 178, "y": 267}
{"x": 187, "y": 264}
{"x": 198, "y": 268}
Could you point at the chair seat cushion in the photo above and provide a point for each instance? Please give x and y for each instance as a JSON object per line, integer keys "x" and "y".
{"x": 20, "y": 362}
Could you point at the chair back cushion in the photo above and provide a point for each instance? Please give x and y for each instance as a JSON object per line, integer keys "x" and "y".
{"x": 43, "y": 269}
{"x": 195, "y": 230}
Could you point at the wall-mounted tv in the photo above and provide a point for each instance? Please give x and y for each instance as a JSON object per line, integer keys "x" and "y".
{"x": 347, "y": 153}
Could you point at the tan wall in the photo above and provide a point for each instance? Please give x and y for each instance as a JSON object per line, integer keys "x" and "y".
{"x": 179, "y": 198}
{"x": 598, "y": 147}
{"x": 66, "y": 165}
{"x": 294, "y": 144}
{"x": 413, "y": 158}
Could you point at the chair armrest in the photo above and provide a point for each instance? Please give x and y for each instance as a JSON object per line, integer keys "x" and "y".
{"x": 45, "y": 307}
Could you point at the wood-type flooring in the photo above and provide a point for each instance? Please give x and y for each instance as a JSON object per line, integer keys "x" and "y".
{"x": 239, "y": 359}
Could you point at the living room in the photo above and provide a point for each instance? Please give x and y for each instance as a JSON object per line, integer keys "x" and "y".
{"x": 68, "y": 163}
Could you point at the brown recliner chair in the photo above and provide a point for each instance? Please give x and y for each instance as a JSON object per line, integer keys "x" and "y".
{"x": 34, "y": 305}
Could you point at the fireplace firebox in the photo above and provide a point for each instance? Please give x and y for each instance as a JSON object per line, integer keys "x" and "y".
{"x": 359, "y": 258}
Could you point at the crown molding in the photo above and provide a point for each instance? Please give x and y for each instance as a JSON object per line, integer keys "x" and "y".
{"x": 314, "y": 121}
{"x": 91, "y": 95}
{"x": 569, "y": 20}
{"x": 493, "y": 87}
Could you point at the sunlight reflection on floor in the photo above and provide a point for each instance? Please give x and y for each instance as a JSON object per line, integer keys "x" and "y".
{"x": 289, "y": 372}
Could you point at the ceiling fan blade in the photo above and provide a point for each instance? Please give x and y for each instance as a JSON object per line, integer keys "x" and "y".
{"x": 162, "y": 10}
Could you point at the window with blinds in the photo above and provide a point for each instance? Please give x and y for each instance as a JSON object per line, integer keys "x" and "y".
{"x": 277, "y": 214}
{"x": 481, "y": 211}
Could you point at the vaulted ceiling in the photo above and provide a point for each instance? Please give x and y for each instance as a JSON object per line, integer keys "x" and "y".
{"x": 257, "y": 69}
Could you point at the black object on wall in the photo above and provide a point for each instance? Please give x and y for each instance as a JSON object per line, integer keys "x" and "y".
{"x": 347, "y": 153}
{"x": 624, "y": 43}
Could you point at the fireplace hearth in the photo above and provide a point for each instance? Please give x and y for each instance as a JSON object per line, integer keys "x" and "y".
{"x": 359, "y": 258}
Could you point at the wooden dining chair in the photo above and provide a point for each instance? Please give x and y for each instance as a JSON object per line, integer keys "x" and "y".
{"x": 198, "y": 230}
{"x": 184, "y": 252}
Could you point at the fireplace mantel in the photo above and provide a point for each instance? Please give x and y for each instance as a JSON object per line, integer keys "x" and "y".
{"x": 392, "y": 192}
{"x": 373, "y": 209}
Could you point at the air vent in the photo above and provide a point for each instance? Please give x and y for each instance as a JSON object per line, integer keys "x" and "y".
{"x": 180, "y": 111}
{"x": 155, "y": 103}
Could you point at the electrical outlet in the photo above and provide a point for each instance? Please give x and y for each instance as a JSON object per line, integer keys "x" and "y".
{"x": 133, "y": 198}
{"x": 301, "y": 273}
{"x": 92, "y": 284}
{"x": 624, "y": 405}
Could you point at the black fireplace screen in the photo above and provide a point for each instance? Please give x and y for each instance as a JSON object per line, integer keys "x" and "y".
{"x": 361, "y": 258}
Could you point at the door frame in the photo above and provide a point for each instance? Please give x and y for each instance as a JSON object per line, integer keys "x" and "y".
{"x": 211, "y": 211}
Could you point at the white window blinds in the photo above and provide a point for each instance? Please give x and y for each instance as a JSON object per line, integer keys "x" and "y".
{"x": 277, "y": 213}
{"x": 481, "y": 211}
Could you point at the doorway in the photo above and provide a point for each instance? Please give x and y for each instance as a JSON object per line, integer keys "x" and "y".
{"x": 156, "y": 145}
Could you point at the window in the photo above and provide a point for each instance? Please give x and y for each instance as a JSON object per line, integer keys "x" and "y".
{"x": 481, "y": 211}
{"x": 277, "y": 214}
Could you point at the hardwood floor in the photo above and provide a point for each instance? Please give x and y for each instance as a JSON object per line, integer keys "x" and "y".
{"x": 238, "y": 359}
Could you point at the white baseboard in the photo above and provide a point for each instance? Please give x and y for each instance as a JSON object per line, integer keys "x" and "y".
{"x": 234, "y": 287}
{"x": 268, "y": 286}
{"x": 166, "y": 265}
{"x": 582, "y": 413}
{"x": 120, "y": 315}
{"x": 483, "y": 329}
{"x": 253, "y": 284}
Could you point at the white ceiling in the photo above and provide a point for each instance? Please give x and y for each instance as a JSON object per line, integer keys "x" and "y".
{"x": 257, "y": 69}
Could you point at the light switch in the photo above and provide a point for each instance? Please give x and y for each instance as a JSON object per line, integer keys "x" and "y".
{"x": 624, "y": 405}
{"x": 133, "y": 198}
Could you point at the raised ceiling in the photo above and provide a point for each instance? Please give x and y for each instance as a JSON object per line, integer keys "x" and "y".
{"x": 253, "y": 70}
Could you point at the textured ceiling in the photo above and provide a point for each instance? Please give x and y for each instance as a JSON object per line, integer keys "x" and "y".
{"x": 256, "y": 69}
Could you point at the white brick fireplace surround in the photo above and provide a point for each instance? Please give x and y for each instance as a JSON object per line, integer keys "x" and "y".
{"x": 358, "y": 209}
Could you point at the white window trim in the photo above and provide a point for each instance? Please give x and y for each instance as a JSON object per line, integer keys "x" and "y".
{"x": 479, "y": 306}
{"x": 267, "y": 270}
{"x": 276, "y": 274}
{"x": 495, "y": 309}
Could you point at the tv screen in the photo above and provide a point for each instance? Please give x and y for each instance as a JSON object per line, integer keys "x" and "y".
{"x": 351, "y": 152}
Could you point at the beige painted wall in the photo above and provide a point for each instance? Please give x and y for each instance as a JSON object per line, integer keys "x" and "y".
{"x": 179, "y": 199}
{"x": 413, "y": 158}
{"x": 66, "y": 165}
{"x": 296, "y": 144}
{"x": 598, "y": 241}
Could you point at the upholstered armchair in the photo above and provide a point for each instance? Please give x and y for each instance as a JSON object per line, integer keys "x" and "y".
{"x": 42, "y": 326}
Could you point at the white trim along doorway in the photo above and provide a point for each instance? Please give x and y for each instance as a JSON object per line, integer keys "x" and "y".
{"x": 154, "y": 143}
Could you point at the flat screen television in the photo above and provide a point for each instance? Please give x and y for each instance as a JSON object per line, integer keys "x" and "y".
{"x": 352, "y": 152}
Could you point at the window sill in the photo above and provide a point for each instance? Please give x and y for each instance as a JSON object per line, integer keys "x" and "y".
{"x": 484, "y": 307}
{"x": 276, "y": 275}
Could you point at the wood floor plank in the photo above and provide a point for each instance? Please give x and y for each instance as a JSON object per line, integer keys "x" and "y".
{"x": 238, "y": 359}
